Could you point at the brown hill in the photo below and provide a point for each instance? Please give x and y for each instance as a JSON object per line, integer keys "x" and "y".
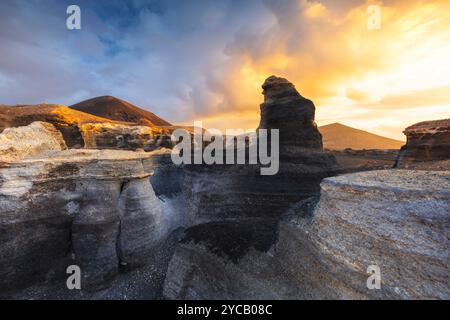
{"x": 119, "y": 110}
{"x": 63, "y": 118}
{"x": 337, "y": 136}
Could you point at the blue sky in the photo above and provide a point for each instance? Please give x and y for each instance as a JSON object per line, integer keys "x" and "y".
{"x": 156, "y": 54}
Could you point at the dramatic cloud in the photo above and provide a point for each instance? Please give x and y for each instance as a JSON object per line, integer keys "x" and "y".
{"x": 187, "y": 60}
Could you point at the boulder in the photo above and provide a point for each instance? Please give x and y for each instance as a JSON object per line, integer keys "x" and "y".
{"x": 35, "y": 139}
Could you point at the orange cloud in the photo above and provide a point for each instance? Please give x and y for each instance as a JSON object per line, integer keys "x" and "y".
{"x": 349, "y": 71}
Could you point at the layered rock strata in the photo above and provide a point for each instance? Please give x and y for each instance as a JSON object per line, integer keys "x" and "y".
{"x": 92, "y": 208}
{"x": 426, "y": 141}
{"x": 223, "y": 192}
{"x": 127, "y": 137}
{"x": 394, "y": 220}
{"x": 80, "y": 129}
{"x": 243, "y": 207}
{"x": 397, "y": 220}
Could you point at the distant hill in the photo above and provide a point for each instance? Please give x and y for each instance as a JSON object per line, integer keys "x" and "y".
{"x": 119, "y": 110}
{"x": 63, "y": 118}
{"x": 337, "y": 136}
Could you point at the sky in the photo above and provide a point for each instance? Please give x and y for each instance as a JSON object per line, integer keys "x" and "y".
{"x": 207, "y": 59}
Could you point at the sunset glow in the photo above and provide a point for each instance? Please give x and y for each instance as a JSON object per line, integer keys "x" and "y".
{"x": 206, "y": 60}
{"x": 379, "y": 80}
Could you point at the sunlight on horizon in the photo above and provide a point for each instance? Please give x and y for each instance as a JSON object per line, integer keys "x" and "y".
{"x": 376, "y": 80}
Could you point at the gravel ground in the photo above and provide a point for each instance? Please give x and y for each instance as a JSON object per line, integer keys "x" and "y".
{"x": 145, "y": 283}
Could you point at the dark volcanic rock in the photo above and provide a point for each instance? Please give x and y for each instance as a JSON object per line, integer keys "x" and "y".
{"x": 119, "y": 110}
{"x": 285, "y": 109}
{"x": 220, "y": 192}
{"x": 426, "y": 141}
{"x": 240, "y": 208}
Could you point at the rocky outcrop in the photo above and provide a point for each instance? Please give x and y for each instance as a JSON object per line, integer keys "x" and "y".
{"x": 65, "y": 120}
{"x": 85, "y": 130}
{"x": 394, "y": 220}
{"x": 397, "y": 220}
{"x": 426, "y": 141}
{"x": 243, "y": 207}
{"x": 91, "y": 208}
{"x": 127, "y": 137}
{"x": 285, "y": 109}
{"x": 223, "y": 192}
{"x": 32, "y": 140}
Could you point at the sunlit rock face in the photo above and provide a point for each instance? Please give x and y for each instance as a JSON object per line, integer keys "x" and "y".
{"x": 243, "y": 207}
{"x": 92, "y": 208}
{"x": 426, "y": 141}
{"x": 80, "y": 129}
{"x": 127, "y": 137}
{"x": 398, "y": 220}
{"x": 31, "y": 140}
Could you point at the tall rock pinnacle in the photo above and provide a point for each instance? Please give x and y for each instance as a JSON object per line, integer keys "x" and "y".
{"x": 285, "y": 109}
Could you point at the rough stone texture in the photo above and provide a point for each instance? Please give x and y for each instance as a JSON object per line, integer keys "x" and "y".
{"x": 426, "y": 141}
{"x": 118, "y": 136}
{"x": 285, "y": 109}
{"x": 223, "y": 192}
{"x": 237, "y": 208}
{"x": 93, "y": 208}
{"x": 398, "y": 220}
{"x": 65, "y": 120}
{"x": 34, "y": 139}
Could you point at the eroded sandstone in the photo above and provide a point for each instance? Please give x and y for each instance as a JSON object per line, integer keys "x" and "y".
{"x": 92, "y": 208}
{"x": 34, "y": 139}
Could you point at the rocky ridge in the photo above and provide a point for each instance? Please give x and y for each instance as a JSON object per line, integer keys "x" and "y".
{"x": 93, "y": 208}
{"x": 426, "y": 141}
{"x": 236, "y": 209}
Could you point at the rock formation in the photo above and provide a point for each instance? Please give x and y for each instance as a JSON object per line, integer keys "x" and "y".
{"x": 37, "y": 138}
{"x": 397, "y": 220}
{"x": 80, "y": 129}
{"x": 234, "y": 233}
{"x": 221, "y": 192}
{"x": 92, "y": 208}
{"x": 236, "y": 209}
{"x": 426, "y": 141}
{"x": 65, "y": 120}
{"x": 285, "y": 109}
{"x": 127, "y": 137}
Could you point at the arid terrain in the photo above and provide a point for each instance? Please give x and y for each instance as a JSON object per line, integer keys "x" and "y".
{"x": 93, "y": 185}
